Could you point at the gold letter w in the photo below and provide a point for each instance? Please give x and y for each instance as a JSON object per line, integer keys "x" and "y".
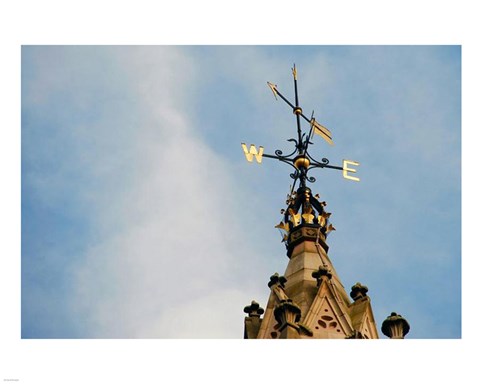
{"x": 253, "y": 152}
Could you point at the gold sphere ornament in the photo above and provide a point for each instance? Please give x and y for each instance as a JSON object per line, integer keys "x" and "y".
{"x": 301, "y": 162}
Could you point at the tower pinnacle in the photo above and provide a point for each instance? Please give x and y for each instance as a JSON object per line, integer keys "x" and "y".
{"x": 309, "y": 300}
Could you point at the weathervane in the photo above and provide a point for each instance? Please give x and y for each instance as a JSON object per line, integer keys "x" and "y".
{"x": 300, "y": 159}
{"x": 305, "y": 216}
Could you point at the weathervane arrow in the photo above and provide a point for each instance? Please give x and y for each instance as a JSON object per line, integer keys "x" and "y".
{"x": 315, "y": 126}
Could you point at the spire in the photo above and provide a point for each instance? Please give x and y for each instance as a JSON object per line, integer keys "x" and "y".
{"x": 309, "y": 300}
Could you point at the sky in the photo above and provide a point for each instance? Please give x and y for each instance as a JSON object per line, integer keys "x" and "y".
{"x": 142, "y": 219}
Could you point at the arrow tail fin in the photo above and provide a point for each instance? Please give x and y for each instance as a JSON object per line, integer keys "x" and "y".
{"x": 322, "y": 131}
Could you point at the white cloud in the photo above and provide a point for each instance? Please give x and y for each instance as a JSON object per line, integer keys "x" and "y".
{"x": 170, "y": 231}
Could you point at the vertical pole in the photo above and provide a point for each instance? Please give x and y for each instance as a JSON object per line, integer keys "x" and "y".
{"x": 297, "y": 110}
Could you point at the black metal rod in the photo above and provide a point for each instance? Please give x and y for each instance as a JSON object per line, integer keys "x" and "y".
{"x": 314, "y": 165}
{"x": 273, "y": 157}
{"x": 296, "y": 111}
{"x": 309, "y": 134}
{"x": 291, "y": 105}
{"x": 284, "y": 99}
{"x": 306, "y": 118}
{"x": 327, "y": 166}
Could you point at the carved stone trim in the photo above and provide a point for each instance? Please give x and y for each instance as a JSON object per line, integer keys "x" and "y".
{"x": 287, "y": 313}
{"x": 305, "y": 232}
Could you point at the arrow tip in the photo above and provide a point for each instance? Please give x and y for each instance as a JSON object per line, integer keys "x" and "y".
{"x": 273, "y": 87}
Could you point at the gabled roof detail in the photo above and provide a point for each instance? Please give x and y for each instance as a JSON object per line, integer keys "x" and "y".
{"x": 328, "y": 315}
{"x": 362, "y": 317}
{"x": 269, "y": 328}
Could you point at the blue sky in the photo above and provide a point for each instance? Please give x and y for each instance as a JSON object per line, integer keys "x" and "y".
{"x": 142, "y": 219}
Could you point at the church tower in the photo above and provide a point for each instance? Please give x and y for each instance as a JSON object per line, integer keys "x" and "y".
{"x": 309, "y": 300}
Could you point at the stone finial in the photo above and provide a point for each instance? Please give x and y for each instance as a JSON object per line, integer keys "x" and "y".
{"x": 358, "y": 291}
{"x": 322, "y": 271}
{"x": 254, "y": 309}
{"x": 277, "y": 279}
{"x": 287, "y": 313}
{"x": 395, "y": 326}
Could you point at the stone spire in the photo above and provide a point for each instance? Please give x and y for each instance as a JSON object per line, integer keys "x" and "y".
{"x": 309, "y": 300}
